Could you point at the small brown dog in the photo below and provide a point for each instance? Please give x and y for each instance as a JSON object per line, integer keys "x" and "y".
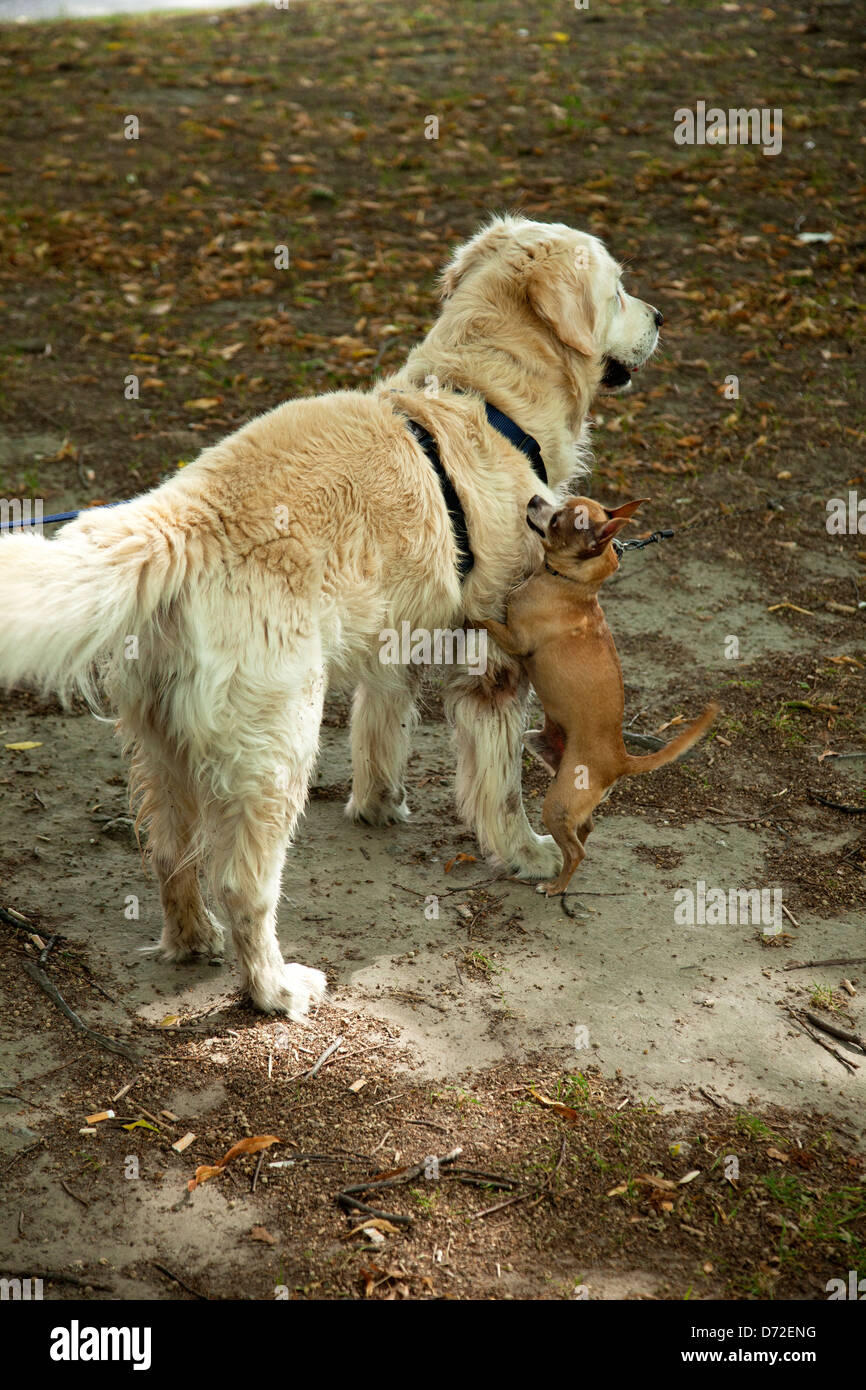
{"x": 556, "y": 626}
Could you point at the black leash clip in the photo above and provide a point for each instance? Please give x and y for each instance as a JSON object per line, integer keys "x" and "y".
{"x": 622, "y": 546}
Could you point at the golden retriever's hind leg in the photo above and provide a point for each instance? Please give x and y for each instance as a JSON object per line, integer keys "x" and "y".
{"x": 384, "y": 718}
{"x": 488, "y": 714}
{"x": 168, "y": 812}
{"x": 258, "y": 782}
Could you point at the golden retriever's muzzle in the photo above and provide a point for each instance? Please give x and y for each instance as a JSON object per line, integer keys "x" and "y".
{"x": 617, "y": 374}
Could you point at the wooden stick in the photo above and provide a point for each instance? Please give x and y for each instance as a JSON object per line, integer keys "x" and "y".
{"x": 810, "y": 1032}
{"x": 835, "y": 1032}
{"x": 837, "y": 805}
{"x": 37, "y": 974}
{"x": 70, "y": 1193}
{"x": 164, "y": 1270}
{"x": 835, "y": 960}
{"x": 258, "y": 1170}
{"x": 509, "y": 1202}
{"x": 317, "y": 1066}
{"x": 352, "y": 1204}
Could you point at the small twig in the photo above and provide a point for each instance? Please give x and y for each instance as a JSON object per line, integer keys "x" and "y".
{"x": 835, "y": 960}
{"x": 708, "y": 1095}
{"x": 509, "y": 1202}
{"x": 37, "y": 974}
{"x": 760, "y": 818}
{"x": 828, "y": 1047}
{"x": 317, "y": 1065}
{"x": 21, "y": 1153}
{"x": 43, "y": 954}
{"x": 164, "y": 1270}
{"x": 55, "y": 1276}
{"x": 398, "y": 1095}
{"x": 837, "y": 805}
{"x": 347, "y": 1199}
{"x": 258, "y": 1170}
{"x": 70, "y": 1193}
{"x": 406, "y": 1175}
{"x": 14, "y": 919}
{"x": 447, "y": 892}
{"x": 352, "y": 1204}
{"x": 842, "y": 1033}
{"x": 476, "y": 1177}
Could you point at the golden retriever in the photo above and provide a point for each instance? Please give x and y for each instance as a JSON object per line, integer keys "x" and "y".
{"x": 213, "y": 613}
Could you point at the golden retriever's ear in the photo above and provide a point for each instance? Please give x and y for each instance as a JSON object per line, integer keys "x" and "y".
{"x": 560, "y": 292}
{"x": 470, "y": 255}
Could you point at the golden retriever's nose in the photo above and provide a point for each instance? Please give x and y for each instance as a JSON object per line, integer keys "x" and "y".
{"x": 659, "y": 317}
{"x": 535, "y": 501}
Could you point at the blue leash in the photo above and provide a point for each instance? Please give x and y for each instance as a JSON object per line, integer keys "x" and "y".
{"x": 58, "y": 516}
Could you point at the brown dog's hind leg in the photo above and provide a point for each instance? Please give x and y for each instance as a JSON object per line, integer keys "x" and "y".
{"x": 547, "y": 744}
{"x": 569, "y": 820}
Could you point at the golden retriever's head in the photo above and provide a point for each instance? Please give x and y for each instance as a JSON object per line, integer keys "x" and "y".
{"x": 568, "y": 281}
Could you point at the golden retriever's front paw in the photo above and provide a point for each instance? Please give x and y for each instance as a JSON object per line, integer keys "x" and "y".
{"x": 291, "y": 990}
{"x": 540, "y": 858}
{"x": 386, "y": 810}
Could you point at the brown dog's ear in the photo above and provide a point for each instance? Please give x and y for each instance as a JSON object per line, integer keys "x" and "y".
{"x": 560, "y": 293}
{"x": 609, "y": 529}
{"x": 470, "y": 255}
{"x": 627, "y": 509}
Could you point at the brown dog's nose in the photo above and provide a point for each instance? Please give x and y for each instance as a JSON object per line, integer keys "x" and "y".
{"x": 660, "y": 318}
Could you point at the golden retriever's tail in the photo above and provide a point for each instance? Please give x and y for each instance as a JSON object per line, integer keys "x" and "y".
{"x": 84, "y": 600}
{"x": 675, "y": 749}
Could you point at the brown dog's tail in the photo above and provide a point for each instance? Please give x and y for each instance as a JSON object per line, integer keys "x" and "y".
{"x": 674, "y": 749}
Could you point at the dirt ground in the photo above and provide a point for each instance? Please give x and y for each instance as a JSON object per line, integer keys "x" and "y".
{"x": 643, "y": 1109}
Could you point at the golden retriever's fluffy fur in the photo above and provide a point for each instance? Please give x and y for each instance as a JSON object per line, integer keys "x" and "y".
{"x": 214, "y": 611}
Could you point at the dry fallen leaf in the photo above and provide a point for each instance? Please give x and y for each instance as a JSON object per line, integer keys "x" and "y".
{"x": 566, "y": 1111}
{"x": 249, "y": 1146}
{"x": 375, "y": 1223}
{"x": 659, "y": 1184}
{"x": 244, "y": 1146}
{"x": 263, "y": 1234}
{"x": 459, "y": 859}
